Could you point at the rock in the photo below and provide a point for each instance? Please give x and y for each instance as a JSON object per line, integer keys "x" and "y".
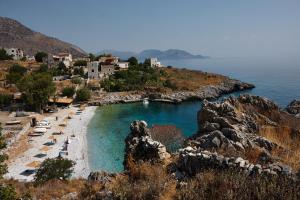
{"x": 294, "y": 107}
{"x": 102, "y": 177}
{"x": 139, "y": 145}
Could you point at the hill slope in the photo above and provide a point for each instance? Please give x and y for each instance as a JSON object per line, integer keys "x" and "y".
{"x": 15, "y": 34}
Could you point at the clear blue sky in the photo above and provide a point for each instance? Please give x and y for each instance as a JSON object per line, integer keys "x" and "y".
{"x": 221, "y": 28}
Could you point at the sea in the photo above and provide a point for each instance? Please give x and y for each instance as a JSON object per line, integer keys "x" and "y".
{"x": 277, "y": 78}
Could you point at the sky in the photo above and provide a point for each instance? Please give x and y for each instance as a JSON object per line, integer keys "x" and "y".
{"x": 217, "y": 28}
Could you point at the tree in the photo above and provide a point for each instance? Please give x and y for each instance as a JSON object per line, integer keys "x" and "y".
{"x": 37, "y": 88}
{"x": 40, "y": 55}
{"x": 16, "y": 72}
{"x": 147, "y": 62}
{"x": 83, "y": 94}
{"x": 4, "y": 55}
{"x": 92, "y": 57}
{"x": 68, "y": 91}
{"x": 80, "y": 63}
{"x": 79, "y": 71}
{"x": 55, "y": 168}
{"x": 133, "y": 61}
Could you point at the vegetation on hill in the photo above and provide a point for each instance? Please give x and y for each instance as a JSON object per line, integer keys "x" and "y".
{"x": 40, "y": 55}
{"x": 4, "y": 55}
{"x": 16, "y": 73}
{"x": 143, "y": 77}
{"x": 55, "y": 168}
{"x": 68, "y": 91}
{"x": 137, "y": 77}
{"x": 36, "y": 88}
{"x": 83, "y": 94}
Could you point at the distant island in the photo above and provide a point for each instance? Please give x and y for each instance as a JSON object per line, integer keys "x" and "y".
{"x": 170, "y": 54}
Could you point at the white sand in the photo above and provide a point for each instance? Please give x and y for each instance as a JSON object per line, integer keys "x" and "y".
{"x": 77, "y": 149}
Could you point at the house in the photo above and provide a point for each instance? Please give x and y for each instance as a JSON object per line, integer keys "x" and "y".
{"x": 30, "y": 58}
{"x": 15, "y": 52}
{"x": 60, "y": 78}
{"x": 66, "y": 58}
{"x": 106, "y": 70}
{"x": 123, "y": 65}
{"x": 86, "y": 58}
{"x": 154, "y": 62}
{"x": 109, "y": 60}
{"x": 93, "y": 70}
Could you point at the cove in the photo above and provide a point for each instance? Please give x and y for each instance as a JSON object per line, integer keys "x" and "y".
{"x": 109, "y": 127}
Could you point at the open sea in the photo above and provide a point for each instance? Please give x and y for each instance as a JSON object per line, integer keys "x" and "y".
{"x": 275, "y": 78}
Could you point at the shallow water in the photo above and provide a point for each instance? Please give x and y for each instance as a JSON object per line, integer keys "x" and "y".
{"x": 277, "y": 79}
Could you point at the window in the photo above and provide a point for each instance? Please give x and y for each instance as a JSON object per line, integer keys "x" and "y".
{"x": 92, "y": 70}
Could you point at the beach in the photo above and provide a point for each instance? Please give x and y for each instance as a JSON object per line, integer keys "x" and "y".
{"x": 73, "y": 125}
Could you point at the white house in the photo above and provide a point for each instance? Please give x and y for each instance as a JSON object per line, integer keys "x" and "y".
{"x": 123, "y": 65}
{"x": 154, "y": 62}
{"x": 15, "y": 52}
{"x": 93, "y": 70}
{"x": 66, "y": 58}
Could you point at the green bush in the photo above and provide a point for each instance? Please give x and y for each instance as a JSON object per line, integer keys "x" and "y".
{"x": 5, "y": 99}
{"x": 7, "y": 193}
{"x": 39, "y": 56}
{"x": 83, "y": 94}
{"x": 16, "y": 73}
{"x": 55, "y": 168}
{"x": 80, "y": 63}
{"x": 4, "y": 55}
{"x": 76, "y": 80}
{"x": 68, "y": 91}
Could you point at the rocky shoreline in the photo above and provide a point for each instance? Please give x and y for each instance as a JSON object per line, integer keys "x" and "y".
{"x": 230, "y": 136}
{"x": 176, "y": 97}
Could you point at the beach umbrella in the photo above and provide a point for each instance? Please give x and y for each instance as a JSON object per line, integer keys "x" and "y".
{"x": 51, "y": 137}
{"x": 45, "y": 149}
{"x": 34, "y": 164}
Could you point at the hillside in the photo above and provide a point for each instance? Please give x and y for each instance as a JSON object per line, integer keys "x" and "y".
{"x": 170, "y": 54}
{"x": 15, "y": 34}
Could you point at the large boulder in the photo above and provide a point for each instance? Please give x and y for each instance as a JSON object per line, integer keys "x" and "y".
{"x": 139, "y": 145}
{"x": 294, "y": 108}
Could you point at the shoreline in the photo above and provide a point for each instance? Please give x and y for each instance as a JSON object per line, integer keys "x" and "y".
{"x": 77, "y": 149}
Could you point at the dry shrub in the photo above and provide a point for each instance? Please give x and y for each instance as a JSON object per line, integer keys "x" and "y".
{"x": 185, "y": 79}
{"x": 213, "y": 184}
{"x": 145, "y": 181}
{"x": 253, "y": 154}
{"x": 288, "y": 139}
{"x": 54, "y": 189}
{"x": 169, "y": 135}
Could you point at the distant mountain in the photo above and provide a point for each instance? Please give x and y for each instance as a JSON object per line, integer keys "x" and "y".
{"x": 15, "y": 34}
{"x": 121, "y": 54}
{"x": 171, "y": 54}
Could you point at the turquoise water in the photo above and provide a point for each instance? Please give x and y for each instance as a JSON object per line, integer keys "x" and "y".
{"x": 277, "y": 79}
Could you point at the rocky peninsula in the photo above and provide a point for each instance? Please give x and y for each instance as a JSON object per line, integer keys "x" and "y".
{"x": 188, "y": 85}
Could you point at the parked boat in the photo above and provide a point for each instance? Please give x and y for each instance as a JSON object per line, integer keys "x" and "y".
{"x": 40, "y": 130}
{"x": 145, "y": 101}
{"x": 15, "y": 122}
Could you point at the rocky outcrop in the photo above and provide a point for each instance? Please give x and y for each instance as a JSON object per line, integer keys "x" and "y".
{"x": 294, "y": 108}
{"x": 230, "y": 131}
{"x": 231, "y": 127}
{"x": 192, "y": 160}
{"x": 139, "y": 146}
{"x": 208, "y": 92}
